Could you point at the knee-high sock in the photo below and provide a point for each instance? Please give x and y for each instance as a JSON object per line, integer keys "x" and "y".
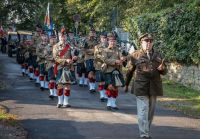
{"x": 85, "y": 81}
{"x": 46, "y": 84}
{"x": 66, "y": 97}
{"x": 32, "y": 75}
{"x": 101, "y": 91}
{"x": 113, "y": 102}
{"x": 60, "y": 96}
{"x": 109, "y": 102}
{"x": 54, "y": 92}
{"x": 81, "y": 80}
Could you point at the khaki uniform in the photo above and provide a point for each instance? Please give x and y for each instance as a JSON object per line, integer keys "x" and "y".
{"x": 109, "y": 56}
{"x": 40, "y": 53}
{"x": 62, "y": 60}
{"x": 98, "y": 53}
{"x": 49, "y": 60}
{"x": 89, "y": 50}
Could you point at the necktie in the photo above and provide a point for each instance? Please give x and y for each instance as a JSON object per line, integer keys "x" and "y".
{"x": 148, "y": 55}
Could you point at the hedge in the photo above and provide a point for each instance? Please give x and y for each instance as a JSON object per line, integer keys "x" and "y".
{"x": 176, "y": 31}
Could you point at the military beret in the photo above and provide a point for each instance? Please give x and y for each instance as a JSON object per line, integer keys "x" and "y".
{"x": 103, "y": 35}
{"x": 111, "y": 38}
{"x": 147, "y": 36}
{"x": 92, "y": 33}
{"x": 110, "y": 34}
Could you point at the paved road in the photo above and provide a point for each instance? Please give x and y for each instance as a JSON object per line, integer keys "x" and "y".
{"x": 88, "y": 118}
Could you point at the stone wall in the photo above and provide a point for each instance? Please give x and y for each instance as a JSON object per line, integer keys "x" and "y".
{"x": 186, "y": 75}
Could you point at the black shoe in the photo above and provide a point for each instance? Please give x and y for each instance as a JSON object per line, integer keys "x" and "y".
{"x": 146, "y": 138}
{"x": 102, "y": 99}
{"x": 115, "y": 108}
{"x": 66, "y": 106}
{"x": 31, "y": 79}
{"x": 81, "y": 85}
{"x": 51, "y": 97}
{"x": 109, "y": 108}
{"x": 93, "y": 90}
{"x": 85, "y": 85}
{"x": 42, "y": 88}
{"x": 59, "y": 105}
{"x": 23, "y": 74}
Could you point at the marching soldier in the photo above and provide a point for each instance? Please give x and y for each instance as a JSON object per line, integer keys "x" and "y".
{"x": 74, "y": 50}
{"x": 64, "y": 59}
{"x": 98, "y": 62}
{"x": 89, "y": 59}
{"x": 81, "y": 70}
{"x": 37, "y": 41}
{"x": 49, "y": 60}
{"x": 113, "y": 60}
{"x": 148, "y": 65}
{"x": 41, "y": 60}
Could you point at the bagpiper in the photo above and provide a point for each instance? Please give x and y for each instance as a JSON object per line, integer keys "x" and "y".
{"x": 112, "y": 67}
{"x": 89, "y": 60}
{"x": 98, "y": 62}
{"x": 64, "y": 78}
{"x": 49, "y": 60}
{"x": 41, "y": 61}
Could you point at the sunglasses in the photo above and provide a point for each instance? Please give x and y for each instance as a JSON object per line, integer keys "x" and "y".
{"x": 148, "y": 40}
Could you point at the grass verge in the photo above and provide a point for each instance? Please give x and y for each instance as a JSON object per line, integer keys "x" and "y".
{"x": 6, "y": 118}
{"x": 181, "y": 98}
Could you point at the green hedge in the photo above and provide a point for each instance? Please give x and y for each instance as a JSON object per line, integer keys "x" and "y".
{"x": 176, "y": 31}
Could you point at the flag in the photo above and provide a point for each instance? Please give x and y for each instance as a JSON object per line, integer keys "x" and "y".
{"x": 48, "y": 21}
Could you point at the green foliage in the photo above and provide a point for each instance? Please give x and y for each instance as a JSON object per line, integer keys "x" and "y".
{"x": 176, "y": 30}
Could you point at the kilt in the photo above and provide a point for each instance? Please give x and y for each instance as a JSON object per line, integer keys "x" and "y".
{"x": 42, "y": 68}
{"x": 64, "y": 76}
{"x": 81, "y": 68}
{"x": 108, "y": 79}
{"x": 115, "y": 78}
{"x": 89, "y": 65}
{"x": 51, "y": 74}
{"x": 99, "y": 76}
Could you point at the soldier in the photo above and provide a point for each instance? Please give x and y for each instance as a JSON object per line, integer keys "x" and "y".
{"x": 41, "y": 60}
{"x": 81, "y": 70}
{"x": 148, "y": 65}
{"x": 64, "y": 59}
{"x": 89, "y": 58}
{"x": 74, "y": 50}
{"x": 98, "y": 62}
{"x": 112, "y": 68}
{"x": 49, "y": 60}
{"x": 37, "y": 41}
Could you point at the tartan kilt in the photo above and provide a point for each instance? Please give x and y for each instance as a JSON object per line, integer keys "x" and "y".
{"x": 81, "y": 68}
{"x": 90, "y": 65}
{"x": 99, "y": 76}
{"x": 42, "y": 68}
{"x": 64, "y": 76}
{"x": 108, "y": 79}
{"x": 115, "y": 78}
{"x": 51, "y": 74}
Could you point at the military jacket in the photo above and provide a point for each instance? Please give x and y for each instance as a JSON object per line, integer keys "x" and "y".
{"x": 61, "y": 60}
{"x": 147, "y": 79}
{"x": 89, "y": 49}
{"x": 109, "y": 56}
{"x": 98, "y": 59}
